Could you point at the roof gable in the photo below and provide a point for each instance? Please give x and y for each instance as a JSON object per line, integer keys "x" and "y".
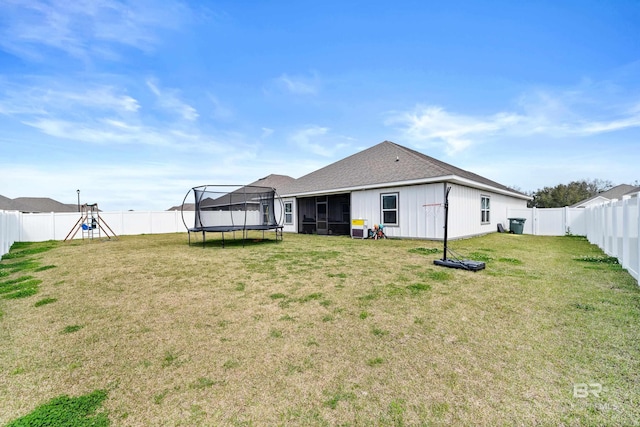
{"x": 5, "y": 203}
{"x": 280, "y": 182}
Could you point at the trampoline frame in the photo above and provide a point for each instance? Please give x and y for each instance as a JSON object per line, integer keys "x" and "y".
{"x": 244, "y": 201}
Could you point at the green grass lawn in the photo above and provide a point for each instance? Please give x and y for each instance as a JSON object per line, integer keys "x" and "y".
{"x": 318, "y": 331}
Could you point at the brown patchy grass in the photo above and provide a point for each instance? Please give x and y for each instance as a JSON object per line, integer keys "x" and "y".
{"x": 326, "y": 331}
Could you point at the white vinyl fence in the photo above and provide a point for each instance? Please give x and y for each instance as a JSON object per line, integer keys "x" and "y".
{"x": 9, "y": 230}
{"x": 40, "y": 227}
{"x": 551, "y": 221}
{"x": 612, "y": 226}
{"x": 615, "y": 227}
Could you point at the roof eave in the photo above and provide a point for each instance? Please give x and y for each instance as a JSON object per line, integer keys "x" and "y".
{"x": 474, "y": 184}
{"x": 449, "y": 178}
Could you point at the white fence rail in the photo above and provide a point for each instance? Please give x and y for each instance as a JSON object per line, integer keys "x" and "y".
{"x": 613, "y": 226}
{"x": 40, "y": 227}
{"x": 9, "y": 230}
{"x": 551, "y": 221}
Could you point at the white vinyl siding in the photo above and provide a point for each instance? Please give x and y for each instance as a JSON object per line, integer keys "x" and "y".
{"x": 417, "y": 221}
{"x": 413, "y": 219}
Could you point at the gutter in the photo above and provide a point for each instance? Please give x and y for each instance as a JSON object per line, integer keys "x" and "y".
{"x": 449, "y": 178}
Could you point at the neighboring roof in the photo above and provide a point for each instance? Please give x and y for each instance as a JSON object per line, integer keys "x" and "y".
{"x": 614, "y": 193}
{"x": 35, "y": 204}
{"x": 278, "y": 182}
{"x": 282, "y": 183}
{"x": 634, "y": 191}
{"x": 4, "y": 201}
{"x": 387, "y": 164}
{"x": 185, "y": 207}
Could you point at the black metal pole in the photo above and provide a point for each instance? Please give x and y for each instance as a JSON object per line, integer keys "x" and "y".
{"x": 78, "y": 191}
{"x": 446, "y": 222}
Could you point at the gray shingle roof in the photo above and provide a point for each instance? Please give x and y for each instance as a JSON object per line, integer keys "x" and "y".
{"x": 382, "y": 164}
{"x": 185, "y": 207}
{"x": 35, "y": 204}
{"x": 281, "y": 183}
{"x": 5, "y": 202}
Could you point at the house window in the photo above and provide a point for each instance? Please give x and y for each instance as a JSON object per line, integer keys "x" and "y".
{"x": 389, "y": 208}
{"x": 288, "y": 212}
{"x": 485, "y": 210}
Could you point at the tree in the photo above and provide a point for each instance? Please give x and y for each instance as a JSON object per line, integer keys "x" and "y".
{"x": 567, "y": 194}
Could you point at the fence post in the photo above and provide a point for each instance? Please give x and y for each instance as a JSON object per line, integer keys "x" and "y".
{"x": 603, "y": 227}
{"x": 607, "y": 228}
{"x": 534, "y": 221}
{"x": 615, "y": 226}
{"x": 625, "y": 235}
{"x": 637, "y": 260}
{"x": 4, "y": 236}
{"x": 53, "y": 226}
{"x": 20, "y": 226}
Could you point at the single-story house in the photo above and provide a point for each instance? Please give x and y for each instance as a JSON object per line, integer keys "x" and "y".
{"x": 398, "y": 187}
{"x": 617, "y": 192}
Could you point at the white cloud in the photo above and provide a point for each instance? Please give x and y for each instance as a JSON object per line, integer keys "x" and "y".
{"x": 611, "y": 126}
{"x": 115, "y": 187}
{"x": 220, "y": 111}
{"x": 317, "y": 140}
{"x": 308, "y": 140}
{"x": 299, "y": 85}
{"x": 577, "y": 112}
{"x": 49, "y": 97}
{"x": 169, "y": 100}
{"x": 571, "y": 113}
{"x": 86, "y": 28}
{"x": 432, "y": 125}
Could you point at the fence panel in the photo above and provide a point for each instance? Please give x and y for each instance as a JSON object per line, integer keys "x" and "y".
{"x": 632, "y": 262}
{"x": 551, "y": 222}
{"x": 613, "y": 226}
{"x": 576, "y": 221}
{"x": 527, "y": 214}
{"x": 40, "y": 227}
{"x": 9, "y": 230}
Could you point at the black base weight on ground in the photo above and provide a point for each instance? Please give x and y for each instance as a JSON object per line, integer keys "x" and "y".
{"x": 464, "y": 264}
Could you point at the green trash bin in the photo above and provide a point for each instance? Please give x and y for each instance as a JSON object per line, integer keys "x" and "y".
{"x": 516, "y": 225}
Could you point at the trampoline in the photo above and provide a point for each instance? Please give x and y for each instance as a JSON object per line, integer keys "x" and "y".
{"x": 231, "y": 208}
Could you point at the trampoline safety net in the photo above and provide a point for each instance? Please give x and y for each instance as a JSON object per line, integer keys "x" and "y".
{"x": 224, "y": 208}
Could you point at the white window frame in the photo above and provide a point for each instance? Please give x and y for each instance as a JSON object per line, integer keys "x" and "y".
{"x": 288, "y": 214}
{"x": 396, "y": 209}
{"x": 485, "y": 209}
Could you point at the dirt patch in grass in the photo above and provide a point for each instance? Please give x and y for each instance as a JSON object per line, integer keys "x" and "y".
{"x": 326, "y": 331}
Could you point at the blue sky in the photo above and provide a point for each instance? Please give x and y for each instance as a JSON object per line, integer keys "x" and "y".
{"x": 135, "y": 102}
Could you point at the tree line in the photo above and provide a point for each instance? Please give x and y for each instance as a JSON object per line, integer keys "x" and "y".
{"x": 567, "y": 194}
